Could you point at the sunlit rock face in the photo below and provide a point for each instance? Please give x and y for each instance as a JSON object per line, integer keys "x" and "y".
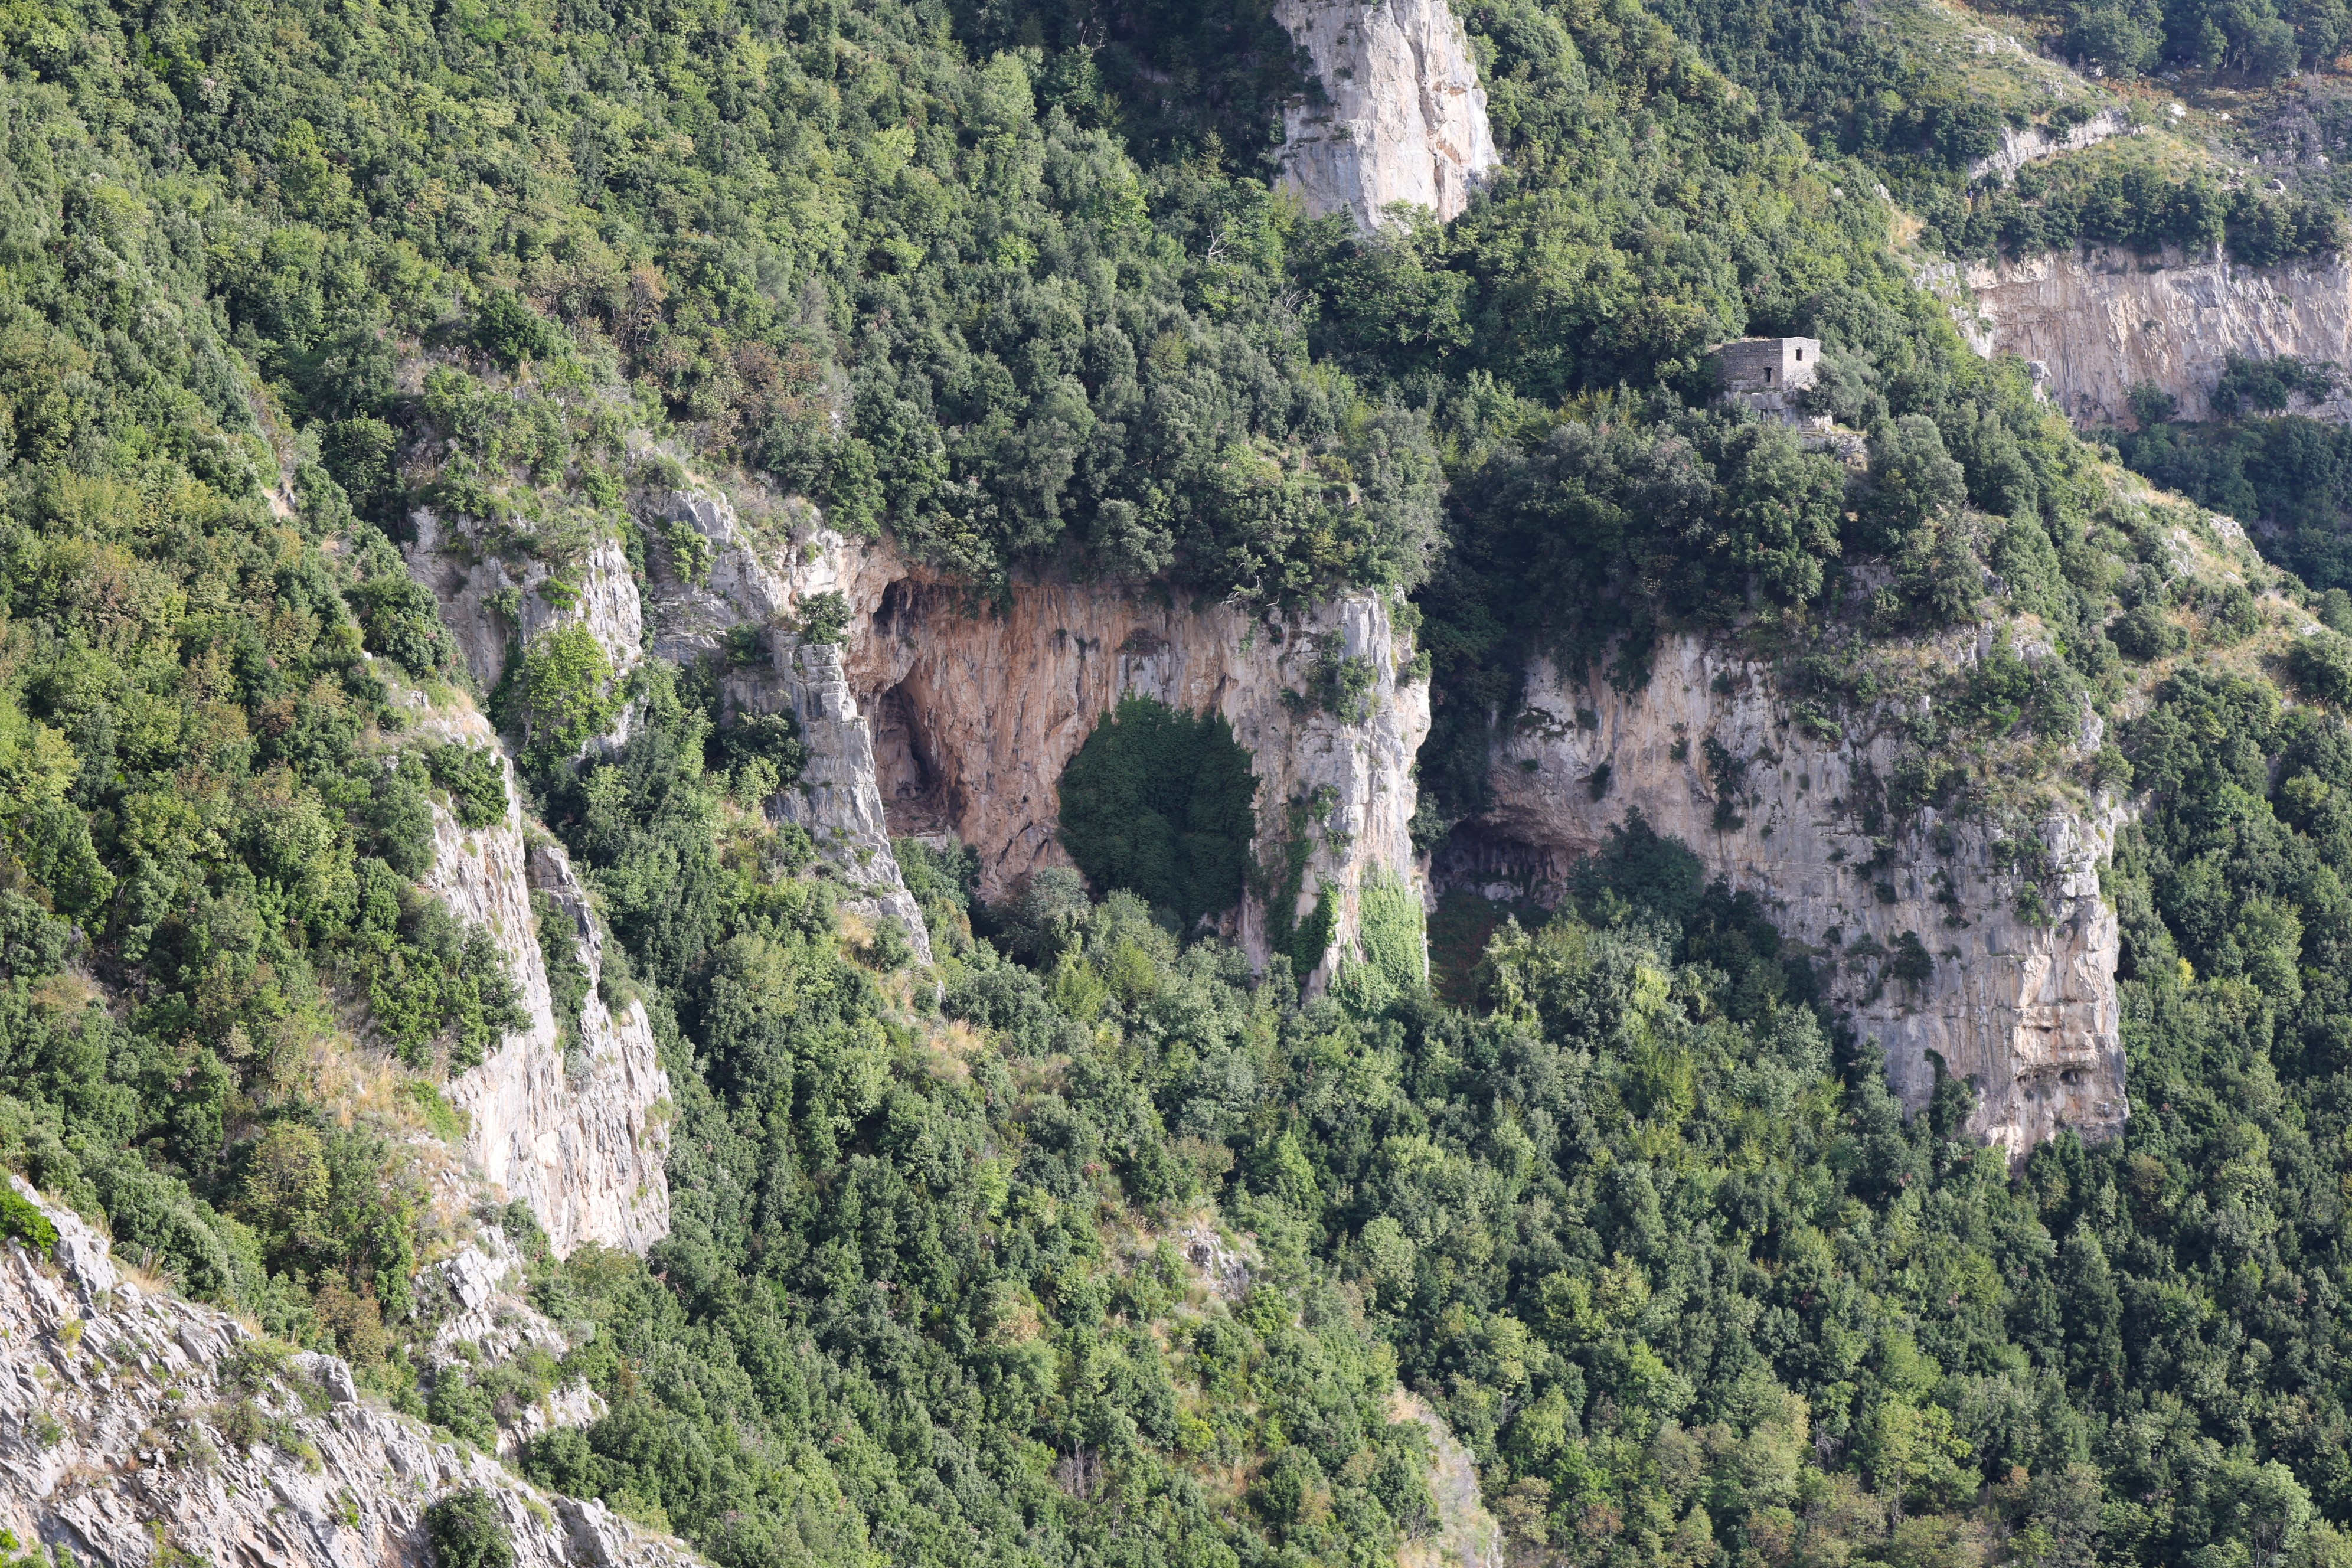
{"x": 2100, "y": 321}
{"x": 572, "y": 1119}
{"x": 1403, "y": 118}
{"x": 111, "y": 1446}
{"x": 2019, "y": 1000}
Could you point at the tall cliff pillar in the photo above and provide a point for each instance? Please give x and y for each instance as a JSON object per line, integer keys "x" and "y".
{"x": 1403, "y": 118}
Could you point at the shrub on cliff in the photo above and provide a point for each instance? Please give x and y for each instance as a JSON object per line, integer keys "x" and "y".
{"x": 2321, "y": 664}
{"x": 466, "y": 1529}
{"x": 1158, "y": 802}
{"x": 476, "y": 780}
{"x": 559, "y": 696}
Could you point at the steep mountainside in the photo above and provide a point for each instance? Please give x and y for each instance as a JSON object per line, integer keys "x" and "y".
{"x": 831, "y": 785}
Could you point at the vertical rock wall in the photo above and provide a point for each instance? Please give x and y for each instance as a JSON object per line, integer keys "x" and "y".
{"x": 1403, "y": 118}
{"x": 2101, "y": 320}
{"x": 582, "y": 1134}
{"x": 763, "y": 588}
{"x": 939, "y": 713}
{"x": 989, "y": 702}
{"x": 943, "y": 713}
{"x": 2032, "y": 143}
{"x": 837, "y": 798}
{"x": 2027, "y": 1010}
{"x": 579, "y": 1133}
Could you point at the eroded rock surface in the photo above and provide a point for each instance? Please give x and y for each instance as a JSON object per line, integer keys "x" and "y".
{"x": 1404, "y": 117}
{"x": 117, "y": 1441}
{"x": 1466, "y": 1535}
{"x": 749, "y": 584}
{"x": 493, "y": 606}
{"x": 2026, "y": 1008}
{"x": 575, "y": 1122}
{"x": 2103, "y": 320}
{"x": 941, "y": 712}
{"x": 983, "y": 705}
{"x": 2034, "y": 143}
{"x": 480, "y": 1316}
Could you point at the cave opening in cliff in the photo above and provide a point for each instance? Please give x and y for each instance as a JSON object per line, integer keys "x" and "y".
{"x": 1483, "y": 876}
{"x": 1479, "y": 858}
{"x": 913, "y": 785}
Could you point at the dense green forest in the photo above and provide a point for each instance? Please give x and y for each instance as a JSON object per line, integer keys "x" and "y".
{"x": 2284, "y": 473}
{"x": 1635, "y": 1213}
{"x": 1898, "y": 94}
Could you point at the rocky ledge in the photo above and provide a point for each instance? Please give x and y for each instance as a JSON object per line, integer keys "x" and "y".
{"x": 138, "y": 1428}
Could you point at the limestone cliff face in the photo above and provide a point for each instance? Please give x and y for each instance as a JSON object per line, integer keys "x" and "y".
{"x": 108, "y": 1395}
{"x": 839, "y": 797}
{"x": 980, "y": 709}
{"x": 944, "y": 714}
{"x": 1404, "y": 117}
{"x": 581, "y": 1134}
{"x": 492, "y": 605}
{"x": 2027, "y": 1010}
{"x": 761, "y": 587}
{"x": 2035, "y": 143}
{"x": 2101, "y": 320}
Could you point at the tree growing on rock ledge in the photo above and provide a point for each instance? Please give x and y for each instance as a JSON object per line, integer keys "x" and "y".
{"x": 467, "y": 1532}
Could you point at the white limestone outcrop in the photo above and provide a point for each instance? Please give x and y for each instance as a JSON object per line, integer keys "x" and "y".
{"x": 581, "y": 1134}
{"x": 493, "y": 606}
{"x": 747, "y": 585}
{"x": 2034, "y": 143}
{"x": 2026, "y": 1008}
{"x": 837, "y": 797}
{"x": 120, "y": 1413}
{"x": 1404, "y": 117}
{"x": 2104, "y": 319}
{"x": 475, "y": 1305}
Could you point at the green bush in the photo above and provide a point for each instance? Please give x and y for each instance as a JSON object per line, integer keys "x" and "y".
{"x": 508, "y": 330}
{"x": 476, "y": 780}
{"x": 559, "y": 949}
{"x": 1912, "y": 964}
{"x": 466, "y": 1529}
{"x": 824, "y": 618}
{"x": 430, "y": 981}
{"x": 2144, "y": 632}
{"x": 771, "y": 739}
{"x": 2124, "y": 39}
{"x": 401, "y": 621}
{"x": 462, "y": 1406}
{"x": 559, "y": 694}
{"x": 1390, "y": 919}
{"x": 1160, "y": 802}
{"x": 1914, "y": 485}
{"x": 2321, "y": 665}
{"x": 25, "y": 1222}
